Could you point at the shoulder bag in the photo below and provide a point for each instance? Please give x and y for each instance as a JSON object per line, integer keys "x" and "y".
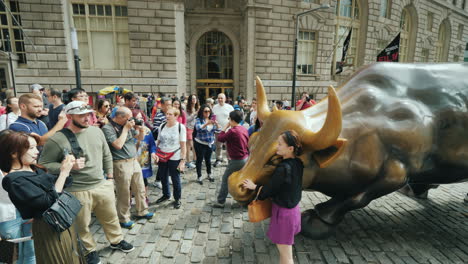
{"x": 165, "y": 156}
{"x": 259, "y": 210}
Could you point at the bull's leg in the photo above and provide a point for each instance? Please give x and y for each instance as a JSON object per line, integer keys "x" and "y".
{"x": 420, "y": 191}
{"x": 320, "y": 222}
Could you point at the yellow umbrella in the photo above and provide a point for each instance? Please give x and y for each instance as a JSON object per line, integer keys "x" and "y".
{"x": 113, "y": 89}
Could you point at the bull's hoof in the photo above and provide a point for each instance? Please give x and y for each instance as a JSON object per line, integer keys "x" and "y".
{"x": 420, "y": 191}
{"x": 313, "y": 227}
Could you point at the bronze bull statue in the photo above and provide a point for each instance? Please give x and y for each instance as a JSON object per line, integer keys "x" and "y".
{"x": 397, "y": 124}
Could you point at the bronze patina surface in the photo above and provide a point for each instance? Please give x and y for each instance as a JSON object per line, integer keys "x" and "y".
{"x": 389, "y": 125}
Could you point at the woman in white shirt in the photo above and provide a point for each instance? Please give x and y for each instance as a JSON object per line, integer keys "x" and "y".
{"x": 12, "y": 113}
{"x": 171, "y": 139}
{"x": 13, "y": 226}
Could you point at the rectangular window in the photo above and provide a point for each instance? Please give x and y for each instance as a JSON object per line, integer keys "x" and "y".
{"x": 9, "y": 29}
{"x": 456, "y": 58}
{"x": 306, "y": 52}
{"x": 384, "y": 8}
{"x": 425, "y": 55}
{"x": 460, "y": 32}
{"x": 352, "y": 49}
{"x": 430, "y": 21}
{"x": 102, "y": 36}
{"x": 215, "y": 4}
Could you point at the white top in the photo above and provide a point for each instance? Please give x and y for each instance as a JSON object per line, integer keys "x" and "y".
{"x": 4, "y": 123}
{"x": 253, "y": 115}
{"x": 222, "y": 114}
{"x": 7, "y": 209}
{"x": 170, "y": 138}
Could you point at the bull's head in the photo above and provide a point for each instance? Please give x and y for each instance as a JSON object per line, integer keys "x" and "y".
{"x": 262, "y": 144}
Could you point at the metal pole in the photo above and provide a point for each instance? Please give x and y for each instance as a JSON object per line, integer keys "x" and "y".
{"x": 296, "y": 31}
{"x": 11, "y": 64}
{"x": 76, "y": 57}
{"x": 293, "y": 99}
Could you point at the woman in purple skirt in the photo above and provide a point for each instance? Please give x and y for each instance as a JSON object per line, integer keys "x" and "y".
{"x": 285, "y": 188}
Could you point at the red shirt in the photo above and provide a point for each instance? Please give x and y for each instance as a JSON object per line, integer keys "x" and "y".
{"x": 237, "y": 139}
{"x": 305, "y": 105}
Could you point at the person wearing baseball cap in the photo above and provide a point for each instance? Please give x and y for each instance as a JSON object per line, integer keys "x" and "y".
{"x": 95, "y": 192}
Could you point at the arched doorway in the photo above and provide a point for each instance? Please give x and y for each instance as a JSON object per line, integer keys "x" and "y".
{"x": 214, "y": 63}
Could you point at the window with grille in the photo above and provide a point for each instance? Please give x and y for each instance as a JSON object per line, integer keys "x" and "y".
{"x": 460, "y": 32}
{"x": 348, "y": 10}
{"x": 214, "y": 56}
{"x": 425, "y": 55}
{"x": 405, "y": 27}
{"x": 385, "y": 8}
{"x": 215, "y": 3}
{"x": 441, "y": 45}
{"x": 102, "y": 32}
{"x": 306, "y": 52}
{"x": 430, "y": 21}
{"x": 10, "y": 29}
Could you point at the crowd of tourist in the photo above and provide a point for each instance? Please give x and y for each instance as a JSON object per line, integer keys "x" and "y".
{"x": 105, "y": 155}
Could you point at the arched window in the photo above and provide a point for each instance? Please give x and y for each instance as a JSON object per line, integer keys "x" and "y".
{"x": 348, "y": 17}
{"x": 405, "y": 27}
{"x": 442, "y": 42}
{"x": 385, "y": 7}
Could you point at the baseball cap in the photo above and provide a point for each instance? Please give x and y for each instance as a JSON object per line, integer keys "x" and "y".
{"x": 78, "y": 108}
{"x": 36, "y": 86}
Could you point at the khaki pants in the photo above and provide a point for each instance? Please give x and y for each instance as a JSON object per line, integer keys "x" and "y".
{"x": 219, "y": 148}
{"x": 101, "y": 201}
{"x": 127, "y": 175}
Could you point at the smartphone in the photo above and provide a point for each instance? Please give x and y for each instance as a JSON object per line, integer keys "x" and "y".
{"x": 213, "y": 117}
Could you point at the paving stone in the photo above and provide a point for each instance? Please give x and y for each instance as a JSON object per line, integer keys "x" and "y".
{"x": 189, "y": 233}
{"x": 176, "y": 235}
{"x": 211, "y": 249}
{"x": 181, "y": 259}
{"x": 260, "y": 246}
{"x": 226, "y": 228}
{"x": 186, "y": 246}
{"x": 170, "y": 250}
{"x": 147, "y": 250}
{"x": 197, "y": 254}
{"x": 203, "y": 228}
{"x": 340, "y": 255}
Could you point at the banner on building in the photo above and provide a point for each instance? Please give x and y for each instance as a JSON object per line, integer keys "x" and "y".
{"x": 391, "y": 52}
{"x": 340, "y": 64}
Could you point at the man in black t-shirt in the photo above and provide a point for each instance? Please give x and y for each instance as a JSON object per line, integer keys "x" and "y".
{"x": 55, "y": 107}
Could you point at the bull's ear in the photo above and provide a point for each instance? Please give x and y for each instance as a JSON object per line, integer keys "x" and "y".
{"x": 326, "y": 156}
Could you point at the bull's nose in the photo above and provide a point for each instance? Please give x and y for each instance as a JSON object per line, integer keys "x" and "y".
{"x": 238, "y": 192}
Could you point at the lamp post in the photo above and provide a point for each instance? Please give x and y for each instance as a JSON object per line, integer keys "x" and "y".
{"x": 76, "y": 57}
{"x": 296, "y": 32}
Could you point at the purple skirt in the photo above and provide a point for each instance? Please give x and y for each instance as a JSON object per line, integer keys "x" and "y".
{"x": 285, "y": 223}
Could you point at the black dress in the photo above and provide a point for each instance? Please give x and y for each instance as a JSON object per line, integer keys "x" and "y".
{"x": 26, "y": 191}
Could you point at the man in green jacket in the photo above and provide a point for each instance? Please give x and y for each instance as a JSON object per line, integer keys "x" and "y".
{"x": 95, "y": 193}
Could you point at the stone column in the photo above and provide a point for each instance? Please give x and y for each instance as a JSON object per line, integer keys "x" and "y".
{"x": 180, "y": 48}
{"x": 250, "y": 44}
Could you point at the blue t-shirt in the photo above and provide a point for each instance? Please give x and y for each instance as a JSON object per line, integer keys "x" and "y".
{"x": 53, "y": 114}
{"x": 28, "y": 126}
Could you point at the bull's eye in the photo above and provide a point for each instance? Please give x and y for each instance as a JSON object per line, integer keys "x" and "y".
{"x": 274, "y": 161}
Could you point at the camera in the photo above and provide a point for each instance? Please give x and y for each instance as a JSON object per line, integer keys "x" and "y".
{"x": 137, "y": 121}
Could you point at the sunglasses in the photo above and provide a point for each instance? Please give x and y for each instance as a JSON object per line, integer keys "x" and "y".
{"x": 81, "y": 108}
{"x": 207, "y": 111}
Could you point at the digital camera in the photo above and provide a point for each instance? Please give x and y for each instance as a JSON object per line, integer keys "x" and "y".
{"x": 138, "y": 122}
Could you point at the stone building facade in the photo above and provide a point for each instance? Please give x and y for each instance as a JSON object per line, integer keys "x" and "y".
{"x": 175, "y": 46}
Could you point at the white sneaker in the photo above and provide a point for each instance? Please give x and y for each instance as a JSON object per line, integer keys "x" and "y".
{"x": 170, "y": 181}
{"x": 190, "y": 165}
{"x": 157, "y": 184}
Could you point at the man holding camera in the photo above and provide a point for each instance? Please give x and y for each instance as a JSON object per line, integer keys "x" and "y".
{"x": 305, "y": 102}
{"x": 95, "y": 193}
{"x": 120, "y": 134}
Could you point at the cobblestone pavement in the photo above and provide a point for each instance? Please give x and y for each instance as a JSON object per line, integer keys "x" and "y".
{"x": 392, "y": 229}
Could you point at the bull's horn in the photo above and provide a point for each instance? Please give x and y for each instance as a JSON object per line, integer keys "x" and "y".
{"x": 262, "y": 105}
{"x": 330, "y": 130}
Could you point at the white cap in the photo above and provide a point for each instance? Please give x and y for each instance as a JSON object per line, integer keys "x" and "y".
{"x": 36, "y": 86}
{"x": 78, "y": 108}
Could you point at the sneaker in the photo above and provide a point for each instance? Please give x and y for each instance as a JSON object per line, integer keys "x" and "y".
{"x": 211, "y": 179}
{"x": 162, "y": 199}
{"x": 93, "y": 258}
{"x": 128, "y": 225}
{"x": 157, "y": 184}
{"x": 216, "y": 164}
{"x": 199, "y": 180}
{"x": 123, "y": 246}
{"x": 218, "y": 205}
{"x": 190, "y": 165}
{"x": 177, "y": 204}
{"x": 146, "y": 216}
{"x": 170, "y": 181}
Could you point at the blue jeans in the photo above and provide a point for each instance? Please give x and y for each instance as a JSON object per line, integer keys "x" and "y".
{"x": 170, "y": 168}
{"x": 16, "y": 229}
